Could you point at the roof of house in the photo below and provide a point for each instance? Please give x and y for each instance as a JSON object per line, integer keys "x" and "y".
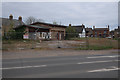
{"x": 78, "y": 28}
{"x": 111, "y": 31}
{"x": 52, "y": 25}
{"x": 8, "y": 22}
{"x": 88, "y": 29}
{"x": 35, "y": 26}
{"x": 118, "y": 29}
{"x": 115, "y": 30}
{"x": 97, "y": 29}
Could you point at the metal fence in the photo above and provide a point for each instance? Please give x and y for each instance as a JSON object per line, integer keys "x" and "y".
{"x": 52, "y": 40}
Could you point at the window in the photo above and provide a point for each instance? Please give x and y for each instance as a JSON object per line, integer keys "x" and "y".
{"x": 87, "y": 31}
{"x": 49, "y": 34}
{"x": 95, "y": 32}
{"x": 43, "y": 34}
{"x": 117, "y": 32}
{"x": 40, "y": 34}
{"x": 105, "y": 32}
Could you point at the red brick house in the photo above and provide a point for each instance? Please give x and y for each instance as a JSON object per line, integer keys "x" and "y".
{"x": 100, "y": 32}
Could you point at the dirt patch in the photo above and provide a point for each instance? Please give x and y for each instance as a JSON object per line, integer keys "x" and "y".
{"x": 82, "y": 44}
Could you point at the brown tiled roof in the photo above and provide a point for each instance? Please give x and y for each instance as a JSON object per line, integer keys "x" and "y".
{"x": 54, "y": 25}
{"x": 100, "y": 29}
{"x": 117, "y": 29}
{"x": 7, "y": 22}
{"x": 32, "y": 26}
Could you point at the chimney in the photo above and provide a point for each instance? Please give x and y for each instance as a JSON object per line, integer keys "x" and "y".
{"x": 20, "y": 18}
{"x": 108, "y": 27}
{"x": 118, "y": 27}
{"x": 11, "y": 17}
{"x": 93, "y": 27}
{"x": 83, "y": 26}
{"x": 69, "y": 25}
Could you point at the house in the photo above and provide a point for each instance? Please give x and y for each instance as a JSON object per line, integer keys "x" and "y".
{"x": 80, "y": 29}
{"x": 89, "y": 32}
{"x": 115, "y": 33}
{"x": 9, "y": 23}
{"x": 41, "y": 30}
{"x": 101, "y": 32}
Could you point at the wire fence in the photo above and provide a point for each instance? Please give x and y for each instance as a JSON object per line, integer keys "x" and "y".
{"x": 54, "y": 40}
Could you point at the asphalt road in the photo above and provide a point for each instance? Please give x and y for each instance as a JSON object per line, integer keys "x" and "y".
{"x": 82, "y": 66}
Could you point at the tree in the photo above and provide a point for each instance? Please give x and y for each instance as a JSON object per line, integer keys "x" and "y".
{"x": 32, "y": 19}
{"x": 20, "y": 31}
{"x": 15, "y": 33}
{"x": 11, "y": 34}
{"x": 70, "y": 32}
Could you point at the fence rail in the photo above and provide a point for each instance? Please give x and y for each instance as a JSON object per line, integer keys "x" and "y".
{"x": 45, "y": 40}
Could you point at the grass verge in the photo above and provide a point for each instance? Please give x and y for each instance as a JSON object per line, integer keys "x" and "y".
{"x": 95, "y": 47}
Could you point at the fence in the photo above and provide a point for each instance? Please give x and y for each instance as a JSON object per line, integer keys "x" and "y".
{"x": 55, "y": 40}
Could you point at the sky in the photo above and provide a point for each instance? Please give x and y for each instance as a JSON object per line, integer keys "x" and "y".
{"x": 99, "y": 14}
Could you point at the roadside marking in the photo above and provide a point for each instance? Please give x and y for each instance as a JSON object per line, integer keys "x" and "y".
{"x": 105, "y": 69}
{"x": 105, "y": 56}
{"x": 24, "y": 67}
{"x": 97, "y": 62}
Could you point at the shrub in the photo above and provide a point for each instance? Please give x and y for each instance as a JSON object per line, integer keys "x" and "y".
{"x": 70, "y": 33}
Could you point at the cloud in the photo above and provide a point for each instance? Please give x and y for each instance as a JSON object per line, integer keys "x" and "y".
{"x": 99, "y": 14}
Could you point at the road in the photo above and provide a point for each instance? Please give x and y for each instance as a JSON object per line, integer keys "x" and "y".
{"x": 82, "y": 66}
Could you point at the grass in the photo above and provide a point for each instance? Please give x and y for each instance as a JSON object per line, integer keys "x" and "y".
{"x": 92, "y": 44}
{"x": 99, "y": 44}
{"x": 79, "y": 39}
{"x": 95, "y": 47}
{"x": 15, "y": 44}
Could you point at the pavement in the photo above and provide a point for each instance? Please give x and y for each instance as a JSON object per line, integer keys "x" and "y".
{"x": 68, "y": 66}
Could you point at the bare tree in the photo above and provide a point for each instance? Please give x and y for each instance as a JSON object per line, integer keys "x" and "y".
{"x": 55, "y": 22}
{"x": 32, "y": 19}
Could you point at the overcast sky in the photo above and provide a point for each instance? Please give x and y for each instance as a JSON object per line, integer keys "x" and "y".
{"x": 99, "y": 14}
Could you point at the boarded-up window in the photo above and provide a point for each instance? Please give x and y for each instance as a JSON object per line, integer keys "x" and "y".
{"x": 40, "y": 34}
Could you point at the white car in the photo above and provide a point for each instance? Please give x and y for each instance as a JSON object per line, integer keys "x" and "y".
{"x": 109, "y": 37}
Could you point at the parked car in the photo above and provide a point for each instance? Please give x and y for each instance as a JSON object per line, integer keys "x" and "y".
{"x": 109, "y": 37}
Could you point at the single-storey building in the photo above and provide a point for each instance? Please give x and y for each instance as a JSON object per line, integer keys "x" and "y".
{"x": 41, "y": 30}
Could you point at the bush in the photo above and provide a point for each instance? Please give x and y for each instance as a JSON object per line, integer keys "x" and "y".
{"x": 14, "y": 33}
{"x": 70, "y": 33}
